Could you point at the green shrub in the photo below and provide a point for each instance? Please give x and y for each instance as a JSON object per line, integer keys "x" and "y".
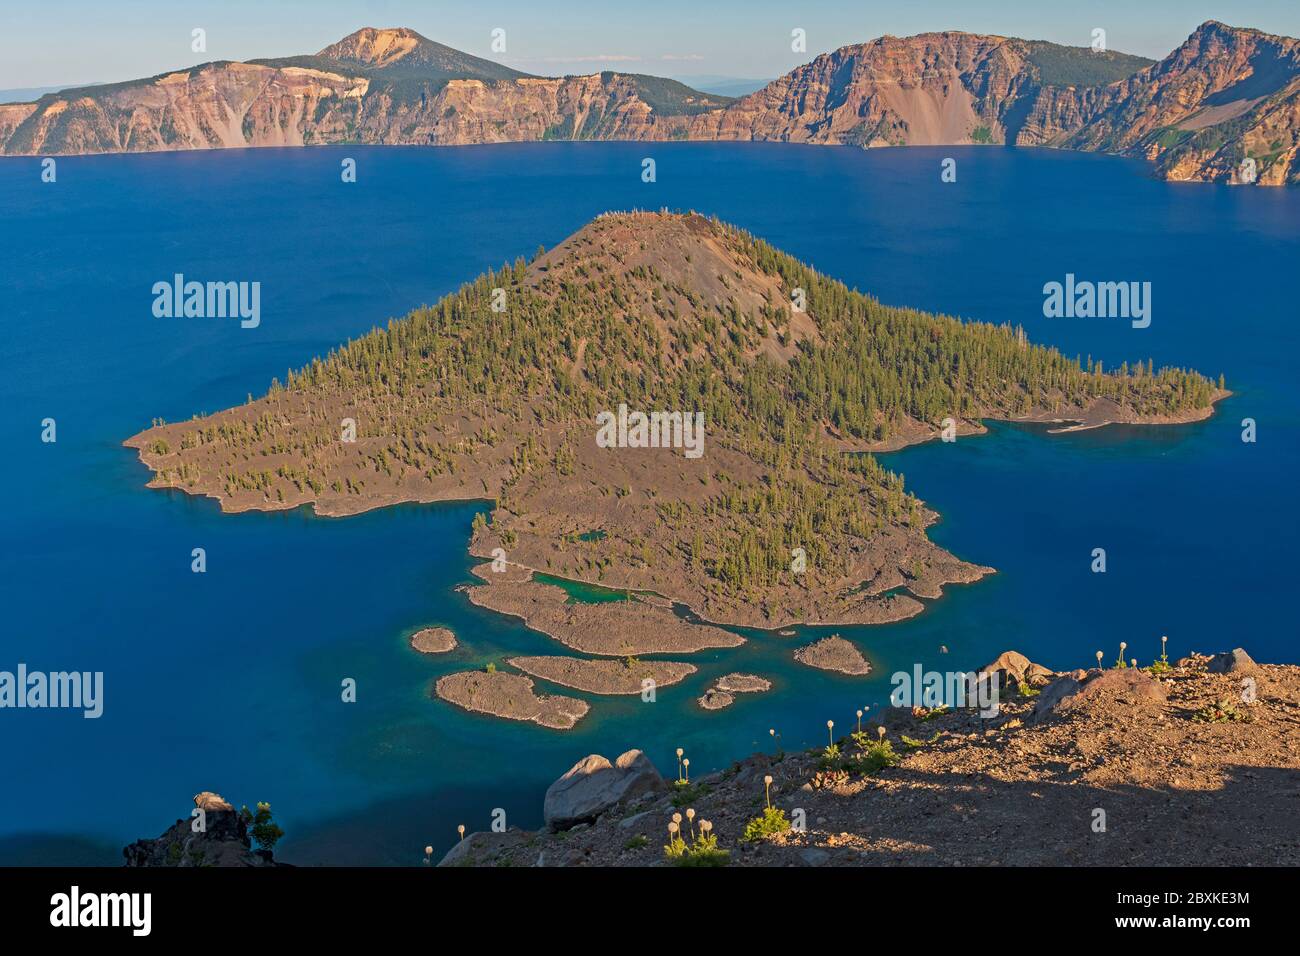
{"x": 702, "y": 852}
{"x": 772, "y": 822}
{"x": 875, "y": 757}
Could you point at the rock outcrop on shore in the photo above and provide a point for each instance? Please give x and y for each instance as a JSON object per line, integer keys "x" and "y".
{"x": 511, "y": 696}
{"x": 833, "y": 653}
{"x": 1176, "y": 757}
{"x": 223, "y": 840}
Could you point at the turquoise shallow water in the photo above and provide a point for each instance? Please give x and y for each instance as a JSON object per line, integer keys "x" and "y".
{"x": 230, "y": 680}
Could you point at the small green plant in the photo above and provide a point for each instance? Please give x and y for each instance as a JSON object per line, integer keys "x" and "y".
{"x": 830, "y": 757}
{"x": 934, "y": 712}
{"x": 1222, "y": 711}
{"x": 492, "y": 667}
{"x": 702, "y": 850}
{"x": 913, "y": 744}
{"x": 778, "y": 754}
{"x": 1161, "y": 666}
{"x": 687, "y": 793}
{"x": 874, "y": 758}
{"x": 637, "y": 842}
{"x": 1120, "y": 662}
{"x": 772, "y": 822}
{"x": 1027, "y": 691}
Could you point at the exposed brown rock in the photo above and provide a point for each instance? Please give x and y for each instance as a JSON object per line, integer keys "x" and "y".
{"x": 603, "y": 676}
{"x": 433, "y": 640}
{"x": 1225, "y": 94}
{"x": 833, "y": 653}
{"x": 510, "y": 696}
{"x": 1003, "y": 792}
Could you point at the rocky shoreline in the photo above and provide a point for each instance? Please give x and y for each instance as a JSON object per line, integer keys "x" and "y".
{"x": 1181, "y": 758}
{"x": 612, "y": 628}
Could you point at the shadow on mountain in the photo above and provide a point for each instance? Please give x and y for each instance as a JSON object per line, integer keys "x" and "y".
{"x": 1249, "y": 821}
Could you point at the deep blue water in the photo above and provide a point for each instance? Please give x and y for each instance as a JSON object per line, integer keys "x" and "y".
{"x": 230, "y": 680}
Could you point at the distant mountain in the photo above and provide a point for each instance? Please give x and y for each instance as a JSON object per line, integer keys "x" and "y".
{"x": 1226, "y": 95}
{"x": 723, "y": 85}
{"x": 395, "y": 55}
{"x": 29, "y": 93}
{"x": 374, "y": 86}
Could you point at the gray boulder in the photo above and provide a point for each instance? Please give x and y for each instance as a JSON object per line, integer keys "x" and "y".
{"x": 1129, "y": 687}
{"x": 594, "y": 785}
{"x": 1053, "y": 694}
{"x": 1236, "y": 661}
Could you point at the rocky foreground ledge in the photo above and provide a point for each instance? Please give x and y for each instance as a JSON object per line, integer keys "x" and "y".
{"x": 1192, "y": 763}
{"x": 213, "y": 834}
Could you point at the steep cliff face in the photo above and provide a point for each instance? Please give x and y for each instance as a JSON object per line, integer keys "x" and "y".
{"x": 1225, "y": 96}
{"x": 923, "y": 90}
{"x": 375, "y": 86}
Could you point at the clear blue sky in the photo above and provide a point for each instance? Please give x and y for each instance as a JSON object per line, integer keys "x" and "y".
{"x": 53, "y": 42}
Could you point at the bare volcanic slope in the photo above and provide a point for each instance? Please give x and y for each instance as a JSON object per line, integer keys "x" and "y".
{"x": 929, "y": 89}
{"x": 1184, "y": 772}
{"x": 390, "y": 86}
{"x": 767, "y": 521}
{"x": 1225, "y": 95}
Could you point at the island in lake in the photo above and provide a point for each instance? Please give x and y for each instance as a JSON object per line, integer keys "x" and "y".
{"x": 784, "y": 517}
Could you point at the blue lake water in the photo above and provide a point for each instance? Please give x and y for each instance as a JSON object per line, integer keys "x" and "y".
{"x": 230, "y": 680}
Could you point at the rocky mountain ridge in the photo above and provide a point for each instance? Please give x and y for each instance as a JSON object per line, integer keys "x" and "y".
{"x": 1223, "y": 107}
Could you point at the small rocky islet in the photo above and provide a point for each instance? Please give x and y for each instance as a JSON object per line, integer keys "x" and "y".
{"x": 433, "y": 640}
{"x": 608, "y": 676}
{"x": 724, "y": 690}
{"x": 510, "y": 696}
{"x": 833, "y": 653}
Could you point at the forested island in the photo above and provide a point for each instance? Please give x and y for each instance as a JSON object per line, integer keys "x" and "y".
{"x": 493, "y": 393}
